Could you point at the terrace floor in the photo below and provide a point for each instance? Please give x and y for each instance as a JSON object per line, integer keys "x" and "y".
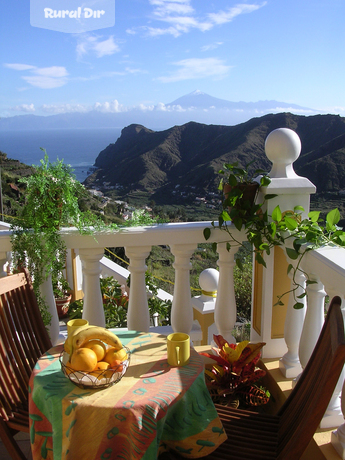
{"x": 321, "y": 450}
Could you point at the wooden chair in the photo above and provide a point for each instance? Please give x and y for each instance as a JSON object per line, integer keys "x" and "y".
{"x": 286, "y": 435}
{"x": 23, "y": 339}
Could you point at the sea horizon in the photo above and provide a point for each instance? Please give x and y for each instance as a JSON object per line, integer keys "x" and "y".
{"x": 78, "y": 148}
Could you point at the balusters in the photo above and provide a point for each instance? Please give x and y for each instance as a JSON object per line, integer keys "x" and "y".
{"x": 138, "y": 317}
{"x": 225, "y": 308}
{"x": 93, "y": 309}
{"x": 181, "y": 311}
{"x": 289, "y": 364}
{"x": 314, "y": 319}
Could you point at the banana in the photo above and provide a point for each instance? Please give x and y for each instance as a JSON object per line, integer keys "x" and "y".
{"x": 95, "y": 332}
{"x": 68, "y": 342}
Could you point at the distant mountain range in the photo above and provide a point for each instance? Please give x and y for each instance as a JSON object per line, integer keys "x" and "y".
{"x": 196, "y": 106}
{"x": 158, "y": 162}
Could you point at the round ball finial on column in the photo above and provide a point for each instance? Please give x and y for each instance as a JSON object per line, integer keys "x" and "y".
{"x": 282, "y": 147}
{"x": 208, "y": 281}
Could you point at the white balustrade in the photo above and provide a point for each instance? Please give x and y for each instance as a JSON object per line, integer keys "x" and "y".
{"x": 181, "y": 310}
{"x": 329, "y": 265}
{"x": 93, "y": 309}
{"x": 314, "y": 319}
{"x": 225, "y": 309}
{"x": 138, "y": 318}
{"x": 289, "y": 364}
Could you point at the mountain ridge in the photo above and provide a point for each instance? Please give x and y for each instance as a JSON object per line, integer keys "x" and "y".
{"x": 198, "y": 106}
{"x": 157, "y": 162}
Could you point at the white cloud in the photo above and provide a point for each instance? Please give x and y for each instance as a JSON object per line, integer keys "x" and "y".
{"x": 19, "y": 66}
{"x": 110, "y": 107}
{"x": 223, "y": 17}
{"x": 47, "y": 77}
{"x": 42, "y": 77}
{"x": 51, "y": 72}
{"x": 28, "y": 108}
{"x": 193, "y": 68}
{"x": 45, "y": 82}
{"x": 64, "y": 108}
{"x": 94, "y": 44}
{"x": 182, "y": 17}
{"x": 211, "y": 46}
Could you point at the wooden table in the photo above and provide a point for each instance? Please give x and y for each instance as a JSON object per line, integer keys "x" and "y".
{"x": 154, "y": 408}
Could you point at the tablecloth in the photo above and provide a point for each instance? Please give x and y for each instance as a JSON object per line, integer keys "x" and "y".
{"x": 154, "y": 408}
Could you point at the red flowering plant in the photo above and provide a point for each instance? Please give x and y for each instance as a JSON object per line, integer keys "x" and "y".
{"x": 234, "y": 378}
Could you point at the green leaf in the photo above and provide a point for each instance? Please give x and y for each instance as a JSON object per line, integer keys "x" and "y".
{"x": 290, "y": 267}
{"x": 239, "y": 264}
{"x": 308, "y": 282}
{"x": 298, "y": 306}
{"x": 270, "y": 196}
{"x": 277, "y": 214}
{"x": 302, "y": 295}
{"x": 232, "y": 180}
{"x": 207, "y": 233}
{"x": 260, "y": 259}
{"x": 280, "y": 303}
{"x": 225, "y": 216}
{"x": 265, "y": 181}
{"x": 292, "y": 253}
{"x": 333, "y": 217}
{"x": 298, "y": 208}
{"x": 238, "y": 223}
{"x": 314, "y": 216}
{"x": 291, "y": 223}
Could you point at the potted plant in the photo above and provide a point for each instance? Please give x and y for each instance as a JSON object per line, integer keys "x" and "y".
{"x": 264, "y": 231}
{"x": 239, "y": 188}
{"x": 62, "y": 296}
{"x": 235, "y": 376}
{"x": 51, "y": 201}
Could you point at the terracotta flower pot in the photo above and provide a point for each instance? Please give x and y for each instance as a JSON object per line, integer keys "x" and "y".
{"x": 62, "y": 305}
{"x": 246, "y": 201}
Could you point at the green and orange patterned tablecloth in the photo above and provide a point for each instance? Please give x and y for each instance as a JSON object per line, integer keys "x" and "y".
{"x": 155, "y": 407}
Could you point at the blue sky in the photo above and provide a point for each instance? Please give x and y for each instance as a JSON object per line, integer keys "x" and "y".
{"x": 158, "y": 50}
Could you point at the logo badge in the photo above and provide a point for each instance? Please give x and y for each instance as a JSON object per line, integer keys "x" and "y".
{"x": 72, "y": 16}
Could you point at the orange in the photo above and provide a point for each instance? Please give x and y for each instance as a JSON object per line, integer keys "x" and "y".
{"x": 112, "y": 355}
{"x": 98, "y": 371}
{"x": 68, "y": 367}
{"x": 98, "y": 347}
{"x": 83, "y": 359}
{"x": 117, "y": 365}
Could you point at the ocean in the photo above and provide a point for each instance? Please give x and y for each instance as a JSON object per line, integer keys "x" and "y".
{"x": 76, "y": 147}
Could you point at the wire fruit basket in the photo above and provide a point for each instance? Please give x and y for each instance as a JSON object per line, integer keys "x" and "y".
{"x": 96, "y": 379}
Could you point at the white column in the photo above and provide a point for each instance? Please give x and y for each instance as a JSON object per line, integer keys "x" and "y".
{"x": 182, "y": 311}
{"x": 46, "y": 291}
{"x": 93, "y": 309}
{"x": 138, "y": 316}
{"x": 289, "y": 364}
{"x": 225, "y": 310}
{"x": 314, "y": 319}
{"x": 338, "y": 436}
{"x": 334, "y": 415}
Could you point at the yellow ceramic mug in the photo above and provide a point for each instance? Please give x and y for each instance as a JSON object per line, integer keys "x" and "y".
{"x": 73, "y": 324}
{"x": 178, "y": 345}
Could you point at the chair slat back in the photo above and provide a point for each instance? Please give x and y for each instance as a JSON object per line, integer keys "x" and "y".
{"x": 302, "y": 412}
{"x": 23, "y": 339}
